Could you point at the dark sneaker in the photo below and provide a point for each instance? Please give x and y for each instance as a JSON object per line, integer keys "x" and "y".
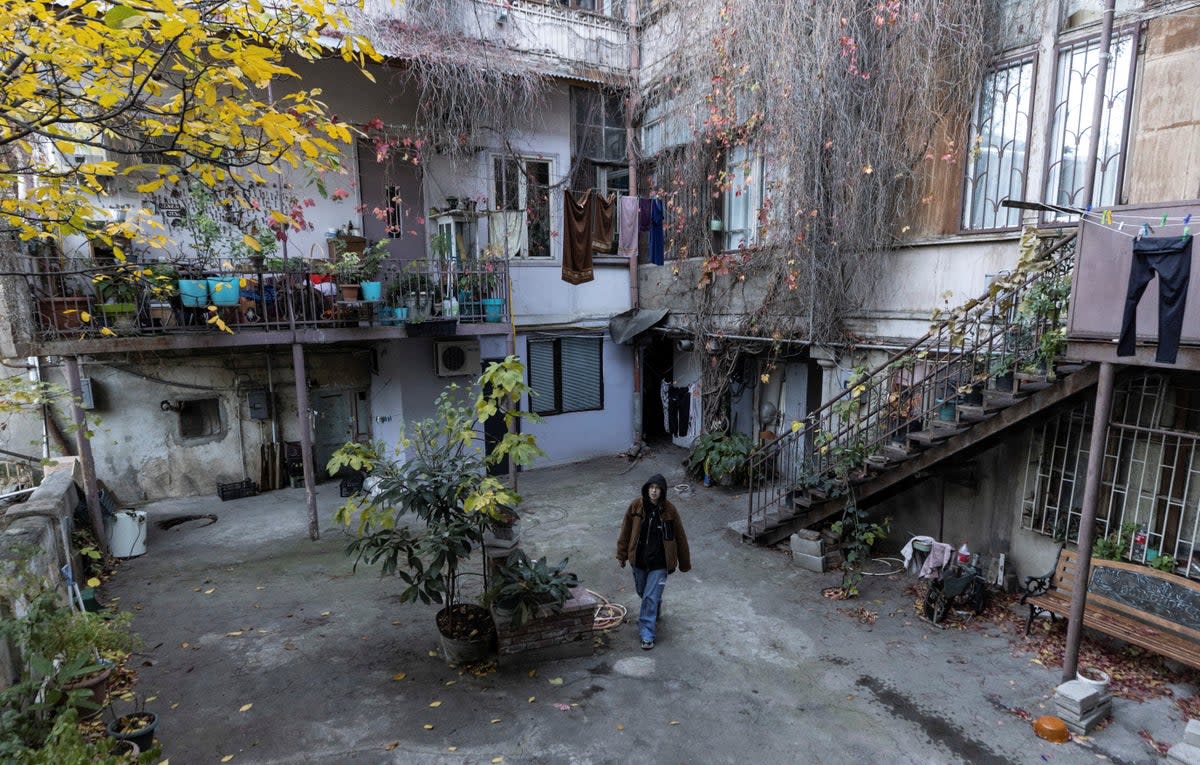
{"x": 647, "y": 645}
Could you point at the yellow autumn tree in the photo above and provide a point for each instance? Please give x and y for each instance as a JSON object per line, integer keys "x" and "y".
{"x": 157, "y": 93}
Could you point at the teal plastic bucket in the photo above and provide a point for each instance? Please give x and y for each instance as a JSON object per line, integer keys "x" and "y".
{"x": 371, "y": 290}
{"x": 224, "y": 291}
{"x": 493, "y": 309}
{"x": 193, "y": 292}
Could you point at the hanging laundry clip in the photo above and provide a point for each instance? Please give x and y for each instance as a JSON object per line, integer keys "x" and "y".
{"x": 1186, "y": 228}
{"x": 1121, "y": 227}
{"x": 1163, "y": 222}
{"x": 1107, "y": 217}
{"x": 1145, "y": 230}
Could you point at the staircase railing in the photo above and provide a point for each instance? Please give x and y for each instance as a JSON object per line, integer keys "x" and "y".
{"x": 1016, "y": 326}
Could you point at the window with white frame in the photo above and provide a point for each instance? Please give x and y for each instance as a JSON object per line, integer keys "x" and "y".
{"x": 1071, "y": 129}
{"x": 566, "y": 374}
{"x": 743, "y": 198}
{"x": 520, "y": 226}
{"x": 999, "y": 150}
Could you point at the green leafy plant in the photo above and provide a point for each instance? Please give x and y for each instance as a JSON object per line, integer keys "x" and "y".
{"x": 1163, "y": 563}
{"x": 441, "y": 482}
{"x": 1114, "y": 546}
{"x": 859, "y": 534}
{"x": 523, "y": 586}
{"x": 720, "y": 456}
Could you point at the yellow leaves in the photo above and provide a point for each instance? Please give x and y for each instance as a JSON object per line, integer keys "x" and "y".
{"x": 556, "y": 681}
{"x": 150, "y": 186}
{"x": 620, "y": 726}
{"x": 399, "y": 676}
{"x": 389, "y": 746}
{"x": 106, "y": 332}
{"x": 93, "y": 582}
{"x": 532, "y": 699}
{"x": 497, "y": 760}
{"x": 797, "y": 426}
{"x": 428, "y": 726}
{"x": 245, "y": 707}
{"x": 227, "y": 758}
{"x": 435, "y": 704}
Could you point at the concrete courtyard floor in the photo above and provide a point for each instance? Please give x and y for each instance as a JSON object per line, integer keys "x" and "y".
{"x": 753, "y": 664}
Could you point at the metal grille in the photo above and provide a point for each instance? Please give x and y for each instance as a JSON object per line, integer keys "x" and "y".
{"x": 1075, "y": 94}
{"x": 996, "y": 168}
{"x": 1150, "y": 473}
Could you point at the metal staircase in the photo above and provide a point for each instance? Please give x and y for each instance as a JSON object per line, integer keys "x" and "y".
{"x": 987, "y": 365}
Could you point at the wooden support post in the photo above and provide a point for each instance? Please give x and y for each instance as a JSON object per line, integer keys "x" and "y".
{"x": 83, "y": 443}
{"x": 306, "y": 449}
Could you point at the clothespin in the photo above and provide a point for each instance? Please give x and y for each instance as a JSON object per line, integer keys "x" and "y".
{"x": 1107, "y": 217}
{"x": 1163, "y": 222}
{"x": 1186, "y": 228}
{"x": 1121, "y": 227}
{"x": 1145, "y": 230}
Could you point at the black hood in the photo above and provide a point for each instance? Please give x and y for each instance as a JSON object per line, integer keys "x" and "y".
{"x": 654, "y": 480}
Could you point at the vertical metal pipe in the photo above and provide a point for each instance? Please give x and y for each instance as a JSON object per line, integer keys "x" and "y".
{"x": 1087, "y": 520}
{"x": 631, "y": 104}
{"x": 83, "y": 443}
{"x": 1093, "y": 154}
{"x": 306, "y": 449}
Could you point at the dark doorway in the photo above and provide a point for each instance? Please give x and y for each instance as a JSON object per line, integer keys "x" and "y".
{"x": 392, "y": 187}
{"x": 493, "y": 431}
{"x": 658, "y": 366}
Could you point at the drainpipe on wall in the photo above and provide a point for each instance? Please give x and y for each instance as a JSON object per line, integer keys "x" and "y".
{"x": 306, "y": 447}
{"x": 1104, "y": 388}
{"x": 631, "y": 103}
{"x": 91, "y": 488}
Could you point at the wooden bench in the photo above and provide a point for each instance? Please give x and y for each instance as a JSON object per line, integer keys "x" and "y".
{"x": 1153, "y": 609}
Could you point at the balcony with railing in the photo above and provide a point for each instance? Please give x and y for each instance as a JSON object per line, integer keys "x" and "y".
{"x": 161, "y": 305}
{"x": 582, "y": 40}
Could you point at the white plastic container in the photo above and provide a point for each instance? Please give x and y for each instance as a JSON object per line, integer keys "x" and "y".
{"x": 127, "y": 534}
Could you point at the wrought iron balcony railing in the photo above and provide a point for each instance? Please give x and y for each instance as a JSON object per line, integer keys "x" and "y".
{"x": 170, "y": 298}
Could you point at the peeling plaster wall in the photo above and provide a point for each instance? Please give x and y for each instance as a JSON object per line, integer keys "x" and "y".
{"x": 138, "y": 449}
{"x": 1164, "y": 155}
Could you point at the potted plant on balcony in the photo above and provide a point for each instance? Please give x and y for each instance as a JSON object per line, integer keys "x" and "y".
{"x": 368, "y": 269}
{"x": 434, "y": 501}
{"x": 120, "y": 291}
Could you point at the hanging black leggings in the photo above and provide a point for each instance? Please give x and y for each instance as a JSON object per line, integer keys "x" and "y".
{"x": 1171, "y": 258}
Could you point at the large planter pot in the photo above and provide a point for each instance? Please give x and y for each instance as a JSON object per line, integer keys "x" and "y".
{"x": 120, "y": 315}
{"x": 463, "y": 647}
{"x": 225, "y": 291}
{"x": 193, "y": 293}
{"x": 493, "y": 309}
{"x": 96, "y": 685}
{"x": 371, "y": 290}
{"x": 349, "y": 291}
{"x": 138, "y": 727}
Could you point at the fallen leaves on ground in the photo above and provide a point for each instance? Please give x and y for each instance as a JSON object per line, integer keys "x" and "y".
{"x": 399, "y": 676}
{"x": 1158, "y": 746}
{"x": 389, "y": 746}
{"x": 245, "y": 707}
{"x": 556, "y": 681}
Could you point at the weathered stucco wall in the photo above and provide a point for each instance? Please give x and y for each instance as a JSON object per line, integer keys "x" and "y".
{"x": 1164, "y": 158}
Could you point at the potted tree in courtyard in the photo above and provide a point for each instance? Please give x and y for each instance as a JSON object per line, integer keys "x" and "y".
{"x": 434, "y": 500}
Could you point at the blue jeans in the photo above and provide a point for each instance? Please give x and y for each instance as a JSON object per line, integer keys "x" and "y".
{"x": 649, "y": 586}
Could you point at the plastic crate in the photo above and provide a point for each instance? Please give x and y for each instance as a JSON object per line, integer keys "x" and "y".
{"x": 350, "y": 486}
{"x": 237, "y": 490}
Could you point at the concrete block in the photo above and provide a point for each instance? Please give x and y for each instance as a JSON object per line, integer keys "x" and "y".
{"x": 810, "y": 562}
{"x": 1091, "y": 720}
{"x": 1191, "y": 735}
{"x": 1184, "y": 753}
{"x": 1078, "y": 697}
{"x": 802, "y": 546}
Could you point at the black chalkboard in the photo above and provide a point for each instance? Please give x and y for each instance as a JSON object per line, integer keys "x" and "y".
{"x": 1161, "y": 597}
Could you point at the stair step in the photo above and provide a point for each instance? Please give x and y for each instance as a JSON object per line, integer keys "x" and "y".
{"x": 1064, "y": 368}
{"x": 1001, "y": 398}
{"x": 948, "y": 427}
{"x": 900, "y": 452}
{"x": 976, "y": 413}
{"x": 929, "y": 437}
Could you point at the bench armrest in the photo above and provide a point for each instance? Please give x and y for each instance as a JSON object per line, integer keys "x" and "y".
{"x": 1040, "y": 585}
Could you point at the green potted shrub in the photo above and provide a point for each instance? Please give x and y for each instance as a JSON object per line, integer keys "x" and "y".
{"x": 523, "y": 587}
{"x": 432, "y": 505}
{"x": 719, "y": 458}
{"x": 120, "y": 292}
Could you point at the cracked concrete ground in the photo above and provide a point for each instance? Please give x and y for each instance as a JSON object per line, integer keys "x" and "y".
{"x": 752, "y": 663}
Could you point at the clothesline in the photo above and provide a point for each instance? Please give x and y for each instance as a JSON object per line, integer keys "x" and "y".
{"x": 1139, "y": 225}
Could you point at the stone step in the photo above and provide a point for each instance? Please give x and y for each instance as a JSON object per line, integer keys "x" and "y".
{"x": 900, "y": 452}
{"x": 976, "y": 413}
{"x": 929, "y": 437}
{"x": 1001, "y": 398}
{"x": 948, "y": 427}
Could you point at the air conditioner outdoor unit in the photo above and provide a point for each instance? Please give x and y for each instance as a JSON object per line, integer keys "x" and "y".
{"x": 457, "y": 358}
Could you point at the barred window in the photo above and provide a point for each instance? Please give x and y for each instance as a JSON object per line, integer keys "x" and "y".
{"x": 999, "y": 150}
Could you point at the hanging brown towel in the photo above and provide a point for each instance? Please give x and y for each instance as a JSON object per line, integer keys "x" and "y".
{"x": 604, "y": 217}
{"x": 577, "y": 244}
